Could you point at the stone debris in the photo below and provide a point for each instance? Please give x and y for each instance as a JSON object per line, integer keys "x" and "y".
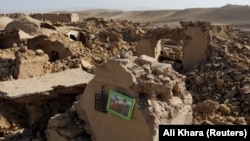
{"x": 159, "y": 91}
{"x": 29, "y": 63}
{"x": 197, "y": 73}
{"x": 66, "y": 126}
{"x": 224, "y": 79}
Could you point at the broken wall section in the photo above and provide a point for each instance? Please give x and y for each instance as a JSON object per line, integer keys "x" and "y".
{"x": 63, "y": 17}
{"x": 193, "y": 38}
{"x": 57, "y": 46}
{"x": 30, "y": 64}
{"x": 152, "y": 45}
{"x": 31, "y": 102}
{"x": 21, "y": 63}
{"x": 196, "y": 50}
{"x": 149, "y": 47}
{"x": 159, "y": 92}
{"x": 7, "y": 62}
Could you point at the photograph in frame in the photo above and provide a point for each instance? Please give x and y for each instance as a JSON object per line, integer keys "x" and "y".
{"x": 120, "y": 105}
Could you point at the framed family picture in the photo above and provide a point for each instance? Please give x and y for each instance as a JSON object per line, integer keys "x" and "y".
{"x": 120, "y": 105}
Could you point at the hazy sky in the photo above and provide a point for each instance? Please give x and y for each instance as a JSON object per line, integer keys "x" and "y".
{"x": 51, "y": 5}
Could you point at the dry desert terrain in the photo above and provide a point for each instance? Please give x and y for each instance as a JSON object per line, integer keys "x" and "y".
{"x": 236, "y": 15}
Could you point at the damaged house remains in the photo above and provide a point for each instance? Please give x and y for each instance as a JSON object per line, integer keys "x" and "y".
{"x": 58, "y": 73}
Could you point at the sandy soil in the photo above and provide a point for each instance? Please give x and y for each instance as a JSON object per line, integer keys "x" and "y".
{"x": 235, "y": 15}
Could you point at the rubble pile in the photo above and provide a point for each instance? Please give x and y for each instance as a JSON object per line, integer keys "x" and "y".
{"x": 21, "y": 63}
{"x": 29, "y": 63}
{"x": 159, "y": 92}
{"x": 87, "y": 43}
{"x": 197, "y": 73}
{"x": 171, "y": 53}
{"x": 65, "y": 126}
{"x": 221, "y": 86}
{"x": 105, "y": 38}
{"x": 28, "y": 104}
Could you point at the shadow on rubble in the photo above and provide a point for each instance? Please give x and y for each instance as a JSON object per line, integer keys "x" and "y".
{"x": 32, "y": 113}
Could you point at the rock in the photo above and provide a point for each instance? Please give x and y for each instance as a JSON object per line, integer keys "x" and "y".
{"x": 71, "y": 132}
{"x": 219, "y": 83}
{"x": 23, "y": 49}
{"x": 207, "y": 122}
{"x": 198, "y": 81}
{"x": 219, "y": 122}
{"x": 248, "y": 119}
{"x": 86, "y": 64}
{"x": 39, "y": 52}
{"x": 241, "y": 121}
{"x": 28, "y": 64}
{"x": 207, "y": 107}
{"x": 52, "y": 135}
{"x": 4, "y": 124}
{"x": 161, "y": 68}
{"x": 224, "y": 109}
{"x": 144, "y": 59}
{"x": 245, "y": 89}
{"x": 238, "y": 76}
{"x": 59, "y": 120}
{"x": 231, "y": 119}
{"x": 66, "y": 126}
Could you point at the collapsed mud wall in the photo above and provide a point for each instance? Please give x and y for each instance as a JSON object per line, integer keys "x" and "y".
{"x": 65, "y": 18}
{"x": 57, "y": 46}
{"x": 193, "y": 37}
{"x": 149, "y": 47}
{"x": 24, "y": 25}
{"x": 21, "y": 63}
{"x": 31, "y": 102}
{"x": 29, "y": 63}
{"x": 159, "y": 92}
{"x": 7, "y": 63}
{"x": 196, "y": 49}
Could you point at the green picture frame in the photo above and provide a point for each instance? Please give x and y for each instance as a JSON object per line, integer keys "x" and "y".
{"x": 120, "y": 105}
